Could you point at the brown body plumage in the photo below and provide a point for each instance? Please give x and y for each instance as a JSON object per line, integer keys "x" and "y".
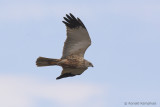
{"x": 72, "y": 62}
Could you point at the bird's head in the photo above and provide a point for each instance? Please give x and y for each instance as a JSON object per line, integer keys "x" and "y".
{"x": 88, "y": 64}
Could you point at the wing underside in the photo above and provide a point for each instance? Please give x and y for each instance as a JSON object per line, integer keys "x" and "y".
{"x": 70, "y": 72}
{"x": 78, "y": 39}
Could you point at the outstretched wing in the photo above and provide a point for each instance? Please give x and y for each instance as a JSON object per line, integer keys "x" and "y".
{"x": 78, "y": 39}
{"x": 70, "y": 72}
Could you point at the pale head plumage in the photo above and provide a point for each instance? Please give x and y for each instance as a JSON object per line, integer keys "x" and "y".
{"x": 88, "y": 64}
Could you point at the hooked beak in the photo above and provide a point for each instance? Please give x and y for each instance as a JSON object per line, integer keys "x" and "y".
{"x": 92, "y": 66}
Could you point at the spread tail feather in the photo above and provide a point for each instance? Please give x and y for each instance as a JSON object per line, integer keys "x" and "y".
{"x": 42, "y": 61}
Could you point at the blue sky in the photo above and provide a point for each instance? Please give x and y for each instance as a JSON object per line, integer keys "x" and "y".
{"x": 125, "y": 52}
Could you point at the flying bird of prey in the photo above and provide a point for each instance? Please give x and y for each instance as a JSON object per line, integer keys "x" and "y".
{"x": 77, "y": 42}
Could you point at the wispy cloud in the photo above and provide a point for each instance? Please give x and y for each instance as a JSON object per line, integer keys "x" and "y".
{"x": 23, "y": 91}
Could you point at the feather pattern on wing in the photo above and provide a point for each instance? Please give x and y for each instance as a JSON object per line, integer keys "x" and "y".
{"x": 78, "y": 39}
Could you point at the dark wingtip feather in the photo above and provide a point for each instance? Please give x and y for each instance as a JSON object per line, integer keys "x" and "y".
{"x": 79, "y": 20}
{"x": 65, "y": 75}
{"x": 72, "y": 16}
{"x": 67, "y": 24}
{"x": 72, "y": 22}
{"x": 66, "y": 19}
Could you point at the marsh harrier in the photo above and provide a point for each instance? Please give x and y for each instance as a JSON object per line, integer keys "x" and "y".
{"x": 77, "y": 42}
